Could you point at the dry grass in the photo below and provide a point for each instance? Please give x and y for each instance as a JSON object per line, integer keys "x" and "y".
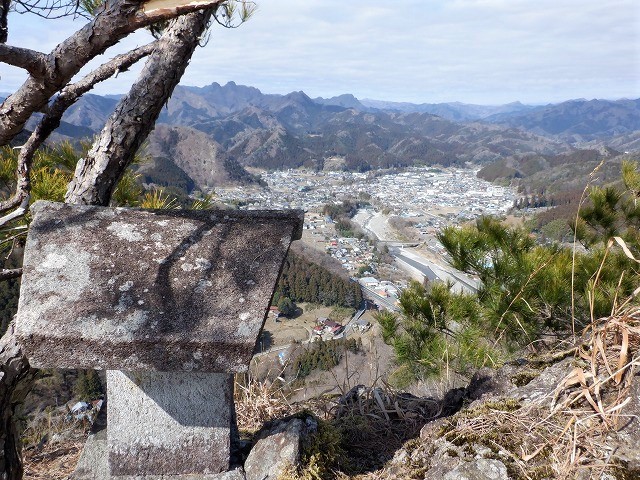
{"x": 375, "y": 422}
{"x": 360, "y": 432}
{"x": 568, "y": 431}
{"x": 53, "y": 462}
{"x": 386, "y": 405}
{"x": 258, "y": 401}
{"x": 52, "y": 446}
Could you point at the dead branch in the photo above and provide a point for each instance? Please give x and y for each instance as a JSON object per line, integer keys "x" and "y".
{"x": 19, "y": 199}
{"x": 8, "y": 274}
{"x": 16, "y": 378}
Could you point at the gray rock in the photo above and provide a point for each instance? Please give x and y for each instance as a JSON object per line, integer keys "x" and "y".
{"x": 445, "y": 457}
{"x": 452, "y": 462}
{"x": 479, "y": 469}
{"x": 277, "y": 448}
{"x": 544, "y": 385}
{"x": 490, "y": 383}
{"x": 625, "y": 443}
{"x": 127, "y": 289}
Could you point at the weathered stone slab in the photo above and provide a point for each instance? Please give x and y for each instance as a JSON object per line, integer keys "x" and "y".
{"x": 169, "y": 423}
{"x": 128, "y": 289}
{"x": 93, "y": 465}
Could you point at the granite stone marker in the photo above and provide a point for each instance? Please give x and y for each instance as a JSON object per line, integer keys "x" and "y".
{"x": 145, "y": 292}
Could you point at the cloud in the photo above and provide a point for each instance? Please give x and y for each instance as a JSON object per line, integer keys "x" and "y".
{"x": 480, "y": 51}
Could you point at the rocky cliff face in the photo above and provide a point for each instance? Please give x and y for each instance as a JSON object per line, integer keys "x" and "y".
{"x": 571, "y": 417}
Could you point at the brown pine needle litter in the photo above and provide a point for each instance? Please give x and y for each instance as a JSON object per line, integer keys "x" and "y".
{"x": 52, "y": 446}
{"x": 53, "y": 462}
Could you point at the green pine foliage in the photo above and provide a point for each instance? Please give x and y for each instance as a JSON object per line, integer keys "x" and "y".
{"x": 323, "y": 355}
{"x": 286, "y": 306}
{"x": 388, "y": 325}
{"x": 88, "y": 385}
{"x": 304, "y": 281}
{"x": 437, "y": 330}
{"x": 527, "y": 290}
{"x": 612, "y": 212}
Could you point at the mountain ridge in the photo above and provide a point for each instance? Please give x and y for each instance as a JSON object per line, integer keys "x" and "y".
{"x": 247, "y": 128}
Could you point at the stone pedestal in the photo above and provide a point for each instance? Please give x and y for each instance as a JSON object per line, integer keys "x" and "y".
{"x": 171, "y": 302}
{"x": 169, "y": 423}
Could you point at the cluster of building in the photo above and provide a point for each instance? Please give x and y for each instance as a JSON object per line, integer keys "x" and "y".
{"x": 383, "y": 288}
{"x": 420, "y": 192}
{"x": 429, "y": 197}
{"x": 295, "y": 189}
{"x": 352, "y": 253}
{"x": 415, "y": 192}
{"x": 327, "y": 327}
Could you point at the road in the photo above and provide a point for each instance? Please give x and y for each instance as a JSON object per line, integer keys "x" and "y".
{"x": 386, "y": 302}
{"x": 424, "y": 269}
{"x": 377, "y": 225}
{"x": 433, "y": 271}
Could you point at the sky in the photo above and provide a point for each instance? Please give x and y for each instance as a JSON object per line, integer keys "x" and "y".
{"x": 486, "y": 52}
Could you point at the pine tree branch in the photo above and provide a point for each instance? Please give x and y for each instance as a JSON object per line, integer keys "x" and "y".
{"x": 117, "y": 64}
{"x": 51, "y": 121}
{"x": 114, "y": 20}
{"x": 4, "y": 17}
{"x": 8, "y": 274}
{"x": 126, "y": 129}
{"x": 31, "y": 60}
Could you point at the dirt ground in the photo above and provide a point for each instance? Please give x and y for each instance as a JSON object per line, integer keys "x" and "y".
{"x": 317, "y": 239}
{"x": 289, "y": 330}
{"x": 515, "y": 220}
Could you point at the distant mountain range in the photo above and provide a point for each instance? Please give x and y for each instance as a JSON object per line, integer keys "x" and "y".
{"x": 578, "y": 121}
{"x": 211, "y": 133}
{"x": 454, "y": 111}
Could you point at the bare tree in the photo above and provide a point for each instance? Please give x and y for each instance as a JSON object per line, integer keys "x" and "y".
{"x": 96, "y": 175}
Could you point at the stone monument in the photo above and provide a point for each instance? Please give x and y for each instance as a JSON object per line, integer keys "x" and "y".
{"x": 171, "y": 303}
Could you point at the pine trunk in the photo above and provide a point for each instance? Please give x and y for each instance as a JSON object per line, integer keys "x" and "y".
{"x": 93, "y": 183}
{"x": 16, "y": 378}
{"x": 133, "y": 119}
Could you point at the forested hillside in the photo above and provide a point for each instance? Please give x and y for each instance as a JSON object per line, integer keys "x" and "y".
{"x": 304, "y": 281}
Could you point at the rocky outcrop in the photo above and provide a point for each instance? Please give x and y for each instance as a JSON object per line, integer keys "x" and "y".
{"x": 486, "y": 439}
